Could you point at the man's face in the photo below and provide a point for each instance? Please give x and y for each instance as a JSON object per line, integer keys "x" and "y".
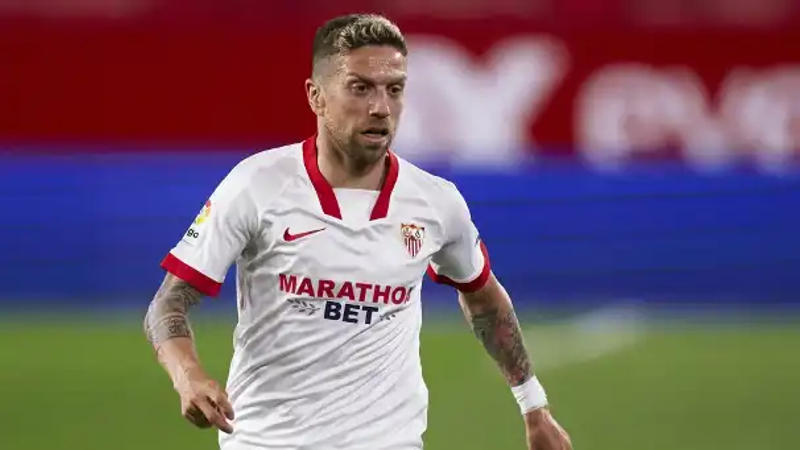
{"x": 363, "y": 99}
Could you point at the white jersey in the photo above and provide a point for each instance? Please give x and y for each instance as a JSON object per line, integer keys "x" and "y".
{"x": 326, "y": 349}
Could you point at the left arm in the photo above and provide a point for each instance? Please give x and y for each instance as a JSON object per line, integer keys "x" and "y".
{"x": 491, "y": 315}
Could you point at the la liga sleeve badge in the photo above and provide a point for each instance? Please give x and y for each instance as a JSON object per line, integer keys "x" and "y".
{"x": 203, "y": 214}
{"x": 413, "y": 237}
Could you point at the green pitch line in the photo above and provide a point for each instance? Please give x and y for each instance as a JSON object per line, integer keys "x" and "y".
{"x": 94, "y": 384}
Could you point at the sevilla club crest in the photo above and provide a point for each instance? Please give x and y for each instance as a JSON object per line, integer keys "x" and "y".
{"x": 413, "y": 236}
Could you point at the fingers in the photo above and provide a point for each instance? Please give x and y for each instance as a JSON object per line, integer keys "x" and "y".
{"x": 205, "y": 404}
{"x": 214, "y": 416}
{"x": 196, "y": 417}
{"x": 224, "y": 405}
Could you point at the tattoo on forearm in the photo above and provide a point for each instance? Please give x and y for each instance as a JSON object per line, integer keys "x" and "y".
{"x": 177, "y": 326}
{"x": 167, "y": 314}
{"x": 501, "y": 335}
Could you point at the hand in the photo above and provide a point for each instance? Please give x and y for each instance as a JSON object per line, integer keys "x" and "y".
{"x": 544, "y": 433}
{"x": 203, "y": 402}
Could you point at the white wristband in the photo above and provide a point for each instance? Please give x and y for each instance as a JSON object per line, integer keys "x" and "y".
{"x": 530, "y": 395}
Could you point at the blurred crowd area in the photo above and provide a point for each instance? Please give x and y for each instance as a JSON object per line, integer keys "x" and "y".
{"x": 713, "y": 83}
{"x": 563, "y": 12}
{"x": 623, "y": 149}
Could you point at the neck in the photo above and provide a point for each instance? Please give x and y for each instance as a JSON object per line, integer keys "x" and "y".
{"x": 343, "y": 171}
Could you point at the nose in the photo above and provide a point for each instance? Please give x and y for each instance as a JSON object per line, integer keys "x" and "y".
{"x": 379, "y": 105}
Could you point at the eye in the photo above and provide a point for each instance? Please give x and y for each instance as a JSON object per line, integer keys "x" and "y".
{"x": 396, "y": 89}
{"x": 359, "y": 88}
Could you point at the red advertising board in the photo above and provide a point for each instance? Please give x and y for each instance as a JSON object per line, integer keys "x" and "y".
{"x": 490, "y": 84}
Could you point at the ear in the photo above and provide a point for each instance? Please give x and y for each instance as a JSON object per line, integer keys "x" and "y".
{"x": 315, "y": 98}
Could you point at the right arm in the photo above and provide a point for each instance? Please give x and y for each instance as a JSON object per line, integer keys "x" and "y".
{"x": 196, "y": 267}
{"x": 166, "y": 325}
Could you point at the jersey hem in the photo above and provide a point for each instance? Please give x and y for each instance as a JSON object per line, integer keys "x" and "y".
{"x": 189, "y": 274}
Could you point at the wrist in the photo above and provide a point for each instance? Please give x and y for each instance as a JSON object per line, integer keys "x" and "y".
{"x": 536, "y": 417}
{"x": 183, "y": 375}
{"x": 180, "y": 365}
{"x": 530, "y": 395}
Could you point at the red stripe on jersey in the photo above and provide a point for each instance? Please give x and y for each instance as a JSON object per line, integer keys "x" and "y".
{"x": 381, "y": 208}
{"x": 470, "y": 286}
{"x": 327, "y": 198}
{"x": 190, "y": 275}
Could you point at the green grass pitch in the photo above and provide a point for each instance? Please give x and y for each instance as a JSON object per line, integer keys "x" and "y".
{"x": 93, "y": 384}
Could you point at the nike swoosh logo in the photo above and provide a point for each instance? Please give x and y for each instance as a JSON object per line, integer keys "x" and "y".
{"x": 289, "y": 237}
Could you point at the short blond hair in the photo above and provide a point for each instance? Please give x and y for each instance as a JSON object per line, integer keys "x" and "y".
{"x": 344, "y": 33}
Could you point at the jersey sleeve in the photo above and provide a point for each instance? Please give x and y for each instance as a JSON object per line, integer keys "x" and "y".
{"x": 216, "y": 237}
{"x": 462, "y": 262}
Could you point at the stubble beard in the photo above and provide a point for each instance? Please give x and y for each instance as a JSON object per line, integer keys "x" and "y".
{"x": 366, "y": 154}
{"x": 360, "y": 156}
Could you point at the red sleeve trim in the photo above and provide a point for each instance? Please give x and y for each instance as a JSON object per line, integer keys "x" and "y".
{"x": 470, "y": 286}
{"x": 189, "y": 274}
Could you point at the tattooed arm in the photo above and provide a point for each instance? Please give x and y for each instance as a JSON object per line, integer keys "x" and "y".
{"x": 167, "y": 315}
{"x": 166, "y": 325}
{"x": 491, "y": 315}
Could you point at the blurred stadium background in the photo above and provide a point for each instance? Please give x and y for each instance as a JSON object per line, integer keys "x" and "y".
{"x": 633, "y": 165}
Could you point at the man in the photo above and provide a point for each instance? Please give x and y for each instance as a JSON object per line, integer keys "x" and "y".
{"x": 331, "y": 238}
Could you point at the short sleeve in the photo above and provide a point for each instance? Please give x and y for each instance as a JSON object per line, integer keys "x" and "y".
{"x": 463, "y": 261}
{"x": 216, "y": 237}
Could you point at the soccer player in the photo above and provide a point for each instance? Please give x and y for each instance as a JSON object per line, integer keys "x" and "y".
{"x": 331, "y": 238}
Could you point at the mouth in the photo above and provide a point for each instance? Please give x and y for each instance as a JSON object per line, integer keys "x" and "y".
{"x": 376, "y": 133}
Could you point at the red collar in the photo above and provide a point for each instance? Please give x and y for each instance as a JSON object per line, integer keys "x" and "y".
{"x": 327, "y": 199}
